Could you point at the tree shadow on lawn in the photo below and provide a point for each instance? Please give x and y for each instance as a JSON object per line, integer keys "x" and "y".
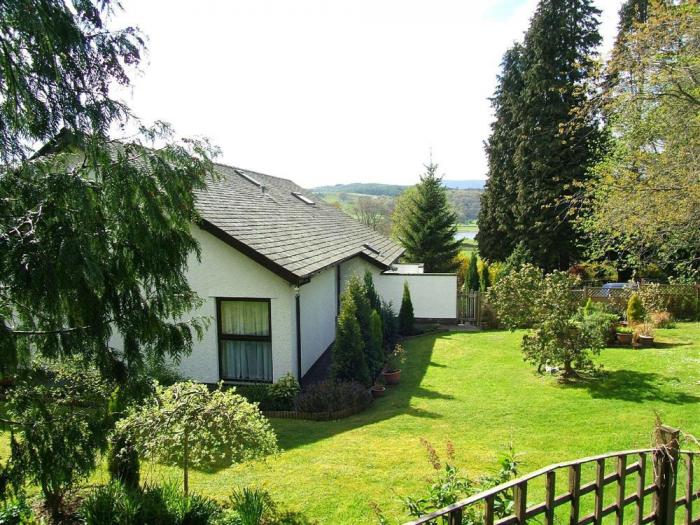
{"x": 631, "y": 385}
{"x": 396, "y": 401}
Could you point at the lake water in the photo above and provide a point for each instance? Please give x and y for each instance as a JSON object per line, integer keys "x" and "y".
{"x": 465, "y": 235}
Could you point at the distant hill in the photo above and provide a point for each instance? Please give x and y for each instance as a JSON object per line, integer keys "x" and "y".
{"x": 369, "y": 188}
{"x": 472, "y": 184}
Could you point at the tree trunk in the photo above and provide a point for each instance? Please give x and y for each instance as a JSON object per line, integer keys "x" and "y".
{"x": 569, "y": 372}
{"x": 185, "y": 463}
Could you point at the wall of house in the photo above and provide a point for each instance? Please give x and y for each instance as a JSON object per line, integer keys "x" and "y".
{"x": 318, "y": 312}
{"x": 433, "y": 295}
{"x": 356, "y": 266}
{"x": 225, "y": 272}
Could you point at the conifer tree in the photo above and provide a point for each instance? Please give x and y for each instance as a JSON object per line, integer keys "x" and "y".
{"x": 471, "y": 283}
{"x": 428, "y": 234}
{"x": 363, "y": 311}
{"x": 485, "y": 278}
{"x": 406, "y": 319}
{"x": 348, "y": 357}
{"x": 497, "y": 234}
{"x": 375, "y": 351}
{"x": 372, "y": 296}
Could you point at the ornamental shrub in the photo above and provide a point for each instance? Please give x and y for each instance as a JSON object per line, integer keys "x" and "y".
{"x": 375, "y": 302}
{"x": 407, "y": 322}
{"x": 635, "y": 309}
{"x": 348, "y": 358}
{"x": 123, "y": 460}
{"x": 471, "y": 282}
{"x": 484, "y": 277}
{"x": 375, "y": 351}
{"x": 390, "y": 326}
{"x": 283, "y": 392}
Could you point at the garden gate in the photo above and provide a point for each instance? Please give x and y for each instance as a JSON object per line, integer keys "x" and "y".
{"x": 470, "y": 307}
{"x": 629, "y": 466}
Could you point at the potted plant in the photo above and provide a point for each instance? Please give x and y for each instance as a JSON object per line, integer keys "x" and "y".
{"x": 624, "y": 335}
{"x": 378, "y": 389}
{"x": 392, "y": 370}
{"x": 645, "y": 335}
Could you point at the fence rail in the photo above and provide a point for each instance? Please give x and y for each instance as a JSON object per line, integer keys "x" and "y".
{"x": 662, "y": 489}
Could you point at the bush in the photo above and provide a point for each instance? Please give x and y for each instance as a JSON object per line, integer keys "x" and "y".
{"x": 123, "y": 460}
{"x": 390, "y": 326}
{"x": 329, "y": 396}
{"x": 15, "y": 511}
{"x": 255, "y": 506}
{"x": 407, "y": 321}
{"x": 114, "y": 504}
{"x": 283, "y": 393}
{"x": 635, "y": 309}
{"x": 662, "y": 320}
{"x": 601, "y": 325}
{"x": 375, "y": 351}
{"x": 348, "y": 359}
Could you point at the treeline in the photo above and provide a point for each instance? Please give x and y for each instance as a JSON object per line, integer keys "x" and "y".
{"x": 591, "y": 162}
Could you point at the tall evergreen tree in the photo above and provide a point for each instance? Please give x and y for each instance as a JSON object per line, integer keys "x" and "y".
{"x": 497, "y": 220}
{"x": 348, "y": 361}
{"x": 372, "y": 296}
{"x": 632, "y": 12}
{"x": 484, "y": 277}
{"x": 406, "y": 319}
{"x": 545, "y": 137}
{"x": 471, "y": 283}
{"x": 428, "y": 234}
{"x": 560, "y": 140}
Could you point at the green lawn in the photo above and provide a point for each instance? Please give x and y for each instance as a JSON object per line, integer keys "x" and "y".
{"x": 474, "y": 390}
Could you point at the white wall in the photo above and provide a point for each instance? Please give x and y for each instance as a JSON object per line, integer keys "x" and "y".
{"x": 318, "y": 311}
{"x": 225, "y": 272}
{"x": 356, "y": 266}
{"x": 434, "y": 296}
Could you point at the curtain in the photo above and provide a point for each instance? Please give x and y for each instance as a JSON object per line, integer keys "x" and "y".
{"x": 240, "y": 359}
{"x": 245, "y": 317}
{"x": 250, "y": 360}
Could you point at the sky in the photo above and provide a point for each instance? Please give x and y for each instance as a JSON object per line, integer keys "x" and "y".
{"x": 331, "y": 91}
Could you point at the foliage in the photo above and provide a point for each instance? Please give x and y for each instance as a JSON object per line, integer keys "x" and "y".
{"x": 471, "y": 281}
{"x": 189, "y": 426}
{"x": 60, "y": 422}
{"x": 348, "y": 358}
{"x": 662, "y": 319}
{"x": 374, "y": 212}
{"x": 599, "y": 322}
{"x": 375, "y": 351}
{"x": 396, "y": 359}
{"x": 253, "y": 505}
{"x": 390, "y": 325}
{"x": 356, "y": 289}
{"x": 404, "y": 209}
{"x": 635, "y": 309}
{"x": 644, "y": 199}
{"x": 451, "y": 485}
{"x": 375, "y": 301}
{"x": 462, "y": 262}
{"x": 624, "y": 330}
{"x": 594, "y": 271}
{"x": 484, "y": 277}
{"x": 123, "y": 462}
{"x": 114, "y": 504}
{"x": 514, "y": 297}
{"x": 406, "y": 319}
{"x": 428, "y": 233}
{"x": 16, "y": 511}
{"x": 275, "y": 396}
{"x": 544, "y": 138}
{"x": 331, "y": 396}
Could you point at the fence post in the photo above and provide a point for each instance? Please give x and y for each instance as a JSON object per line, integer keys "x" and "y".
{"x": 455, "y": 517}
{"x": 665, "y": 472}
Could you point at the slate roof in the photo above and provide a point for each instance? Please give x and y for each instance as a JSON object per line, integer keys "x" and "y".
{"x": 260, "y": 215}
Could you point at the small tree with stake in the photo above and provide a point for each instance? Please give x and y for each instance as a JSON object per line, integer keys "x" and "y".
{"x": 189, "y": 426}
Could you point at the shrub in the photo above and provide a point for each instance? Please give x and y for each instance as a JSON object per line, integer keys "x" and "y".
{"x": 654, "y": 298}
{"x": 662, "y": 319}
{"x": 390, "y": 325}
{"x": 514, "y": 297}
{"x": 375, "y": 351}
{"x": 484, "y": 277}
{"x": 363, "y": 312}
{"x": 396, "y": 359}
{"x": 123, "y": 460}
{"x": 16, "y": 511}
{"x": 255, "y": 506}
{"x": 348, "y": 359}
{"x": 109, "y": 504}
{"x": 599, "y": 323}
{"x": 371, "y": 292}
{"x": 283, "y": 392}
{"x": 407, "y": 321}
{"x": 471, "y": 282}
{"x": 330, "y": 396}
{"x": 624, "y": 330}
{"x": 635, "y": 309}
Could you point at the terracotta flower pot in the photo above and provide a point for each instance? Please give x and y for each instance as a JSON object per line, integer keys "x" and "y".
{"x": 378, "y": 391}
{"x": 624, "y": 339}
{"x": 392, "y": 378}
{"x": 647, "y": 341}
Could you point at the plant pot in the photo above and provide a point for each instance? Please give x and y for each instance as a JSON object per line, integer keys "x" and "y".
{"x": 646, "y": 341}
{"x": 377, "y": 391}
{"x": 392, "y": 378}
{"x": 624, "y": 339}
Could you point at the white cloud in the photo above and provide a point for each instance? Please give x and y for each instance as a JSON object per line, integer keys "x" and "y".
{"x": 331, "y": 91}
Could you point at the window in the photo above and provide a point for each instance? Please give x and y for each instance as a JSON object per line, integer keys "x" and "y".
{"x": 303, "y": 198}
{"x": 245, "y": 343}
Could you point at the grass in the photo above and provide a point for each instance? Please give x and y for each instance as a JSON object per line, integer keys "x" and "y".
{"x": 471, "y": 226}
{"x": 472, "y": 389}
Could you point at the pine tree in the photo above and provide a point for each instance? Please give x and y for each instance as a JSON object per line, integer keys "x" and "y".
{"x": 348, "y": 357}
{"x": 560, "y": 140}
{"x": 428, "y": 234}
{"x": 632, "y": 12}
{"x": 372, "y": 296}
{"x": 497, "y": 221}
{"x": 406, "y": 319}
{"x": 471, "y": 283}
{"x": 485, "y": 278}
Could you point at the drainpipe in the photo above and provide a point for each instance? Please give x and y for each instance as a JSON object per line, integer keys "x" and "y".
{"x": 298, "y": 320}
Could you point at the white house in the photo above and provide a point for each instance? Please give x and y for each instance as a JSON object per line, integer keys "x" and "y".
{"x": 273, "y": 263}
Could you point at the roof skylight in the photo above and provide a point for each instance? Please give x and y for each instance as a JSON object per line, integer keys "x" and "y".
{"x": 249, "y": 178}
{"x": 302, "y": 198}
{"x": 371, "y": 248}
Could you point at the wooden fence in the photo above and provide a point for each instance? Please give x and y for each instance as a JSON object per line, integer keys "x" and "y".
{"x": 662, "y": 491}
{"x": 469, "y": 305}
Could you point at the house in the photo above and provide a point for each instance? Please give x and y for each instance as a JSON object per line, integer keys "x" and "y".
{"x": 274, "y": 261}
